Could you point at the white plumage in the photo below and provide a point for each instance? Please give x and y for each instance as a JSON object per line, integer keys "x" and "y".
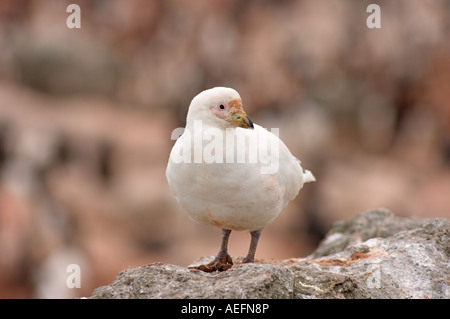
{"x": 227, "y": 172}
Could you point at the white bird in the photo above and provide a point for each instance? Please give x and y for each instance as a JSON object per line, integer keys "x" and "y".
{"x": 227, "y": 172}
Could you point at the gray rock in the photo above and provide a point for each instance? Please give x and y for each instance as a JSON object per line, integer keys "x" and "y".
{"x": 374, "y": 255}
{"x": 371, "y": 224}
{"x": 169, "y": 281}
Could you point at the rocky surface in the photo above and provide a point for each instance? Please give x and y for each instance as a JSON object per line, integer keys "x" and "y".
{"x": 374, "y": 255}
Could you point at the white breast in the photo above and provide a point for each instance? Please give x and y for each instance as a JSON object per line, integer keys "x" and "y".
{"x": 236, "y": 196}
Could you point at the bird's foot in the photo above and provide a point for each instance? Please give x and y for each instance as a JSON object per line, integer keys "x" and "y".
{"x": 248, "y": 259}
{"x": 218, "y": 264}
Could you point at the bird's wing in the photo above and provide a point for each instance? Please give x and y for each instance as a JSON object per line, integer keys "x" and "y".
{"x": 289, "y": 173}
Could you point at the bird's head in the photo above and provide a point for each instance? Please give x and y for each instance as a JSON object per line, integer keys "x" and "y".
{"x": 220, "y": 107}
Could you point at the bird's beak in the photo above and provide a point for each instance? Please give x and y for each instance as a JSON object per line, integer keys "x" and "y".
{"x": 240, "y": 119}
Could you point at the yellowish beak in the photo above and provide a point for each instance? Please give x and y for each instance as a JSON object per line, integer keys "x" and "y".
{"x": 240, "y": 119}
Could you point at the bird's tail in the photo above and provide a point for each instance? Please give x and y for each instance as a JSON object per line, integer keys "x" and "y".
{"x": 308, "y": 177}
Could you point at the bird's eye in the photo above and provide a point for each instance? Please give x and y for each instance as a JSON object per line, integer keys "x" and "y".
{"x": 221, "y": 106}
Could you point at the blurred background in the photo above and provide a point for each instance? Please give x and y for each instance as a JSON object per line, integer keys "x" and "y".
{"x": 86, "y": 117}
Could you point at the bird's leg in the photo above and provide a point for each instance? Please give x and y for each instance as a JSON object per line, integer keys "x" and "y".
{"x": 222, "y": 261}
{"x": 253, "y": 243}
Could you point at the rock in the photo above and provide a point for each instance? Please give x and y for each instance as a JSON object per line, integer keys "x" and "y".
{"x": 371, "y": 224}
{"x": 374, "y": 255}
{"x": 169, "y": 281}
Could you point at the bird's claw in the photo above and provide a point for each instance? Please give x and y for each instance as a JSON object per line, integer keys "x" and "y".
{"x": 218, "y": 264}
{"x": 248, "y": 260}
